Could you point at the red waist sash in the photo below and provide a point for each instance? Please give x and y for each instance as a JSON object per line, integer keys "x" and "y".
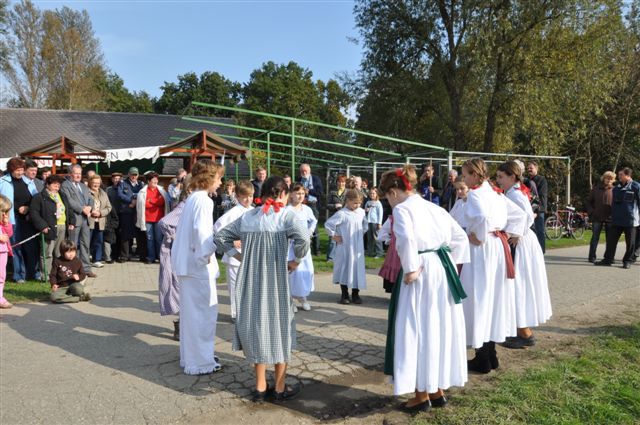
{"x": 511, "y": 271}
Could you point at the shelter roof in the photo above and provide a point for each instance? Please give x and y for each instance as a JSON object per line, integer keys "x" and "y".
{"x": 62, "y": 145}
{"x": 207, "y": 142}
{"x": 24, "y": 129}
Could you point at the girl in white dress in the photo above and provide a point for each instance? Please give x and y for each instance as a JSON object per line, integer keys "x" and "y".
{"x": 194, "y": 264}
{"x": 301, "y": 280}
{"x": 533, "y": 304}
{"x": 426, "y": 341}
{"x": 243, "y": 197}
{"x": 489, "y": 309}
{"x": 457, "y": 212}
{"x": 347, "y": 228}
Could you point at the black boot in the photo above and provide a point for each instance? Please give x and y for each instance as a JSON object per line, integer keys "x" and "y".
{"x": 480, "y": 363}
{"x": 345, "y": 295}
{"x": 493, "y": 356}
{"x": 355, "y": 296}
{"x": 176, "y": 330}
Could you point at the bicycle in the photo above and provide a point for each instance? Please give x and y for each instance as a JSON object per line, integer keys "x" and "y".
{"x": 566, "y": 222}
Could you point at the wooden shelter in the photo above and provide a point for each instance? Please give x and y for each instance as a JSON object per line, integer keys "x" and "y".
{"x": 204, "y": 144}
{"x": 63, "y": 148}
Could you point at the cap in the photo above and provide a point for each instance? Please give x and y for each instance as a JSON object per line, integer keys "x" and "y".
{"x": 133, "y": 170}
{"x": 117, "y": 174}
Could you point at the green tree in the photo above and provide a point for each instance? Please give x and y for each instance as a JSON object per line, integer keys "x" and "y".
{"x": 210, "y": 87}
{"x": 23, "y": 66}
{"x": 117, "y": 98}
{"x": 73, "y": 59}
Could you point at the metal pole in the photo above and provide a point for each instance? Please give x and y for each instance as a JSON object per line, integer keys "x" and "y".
{"x": 348, "y": 171}
{"x": 250, "y": 159}
{"x": 268, "y": 154}
{"x": 450, "y": 161}
{"x": 293, "y": 151}
{"x": 43, "y": 248}
{"x": 375, "y": 174}
{"x": 569, "y": 181}
{"x": 237, "y": 176}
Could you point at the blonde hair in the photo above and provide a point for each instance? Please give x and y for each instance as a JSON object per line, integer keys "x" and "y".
{"x": 352, "y": 195}
{"x": 608, "y": 175}
{"x": 5, "y": 204}
{"x": 204, "y": 173}
{"x": 244, "y": 188}
{"x": 391, "y": 179}
{"x": 478, "y": 167}
{"x": 94, "y": 177}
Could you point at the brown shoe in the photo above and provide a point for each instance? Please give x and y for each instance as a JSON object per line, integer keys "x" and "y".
{"x": 92, "y": 274}
{"x": 6, "y": 304}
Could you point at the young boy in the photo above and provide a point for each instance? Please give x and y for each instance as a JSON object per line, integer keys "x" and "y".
{"x": 67, "y": 276}
{"x": 347, "y": 228}
{"x": 244, "y": 197}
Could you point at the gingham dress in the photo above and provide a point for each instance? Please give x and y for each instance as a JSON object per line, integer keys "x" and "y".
{"x": 265, "y": 328}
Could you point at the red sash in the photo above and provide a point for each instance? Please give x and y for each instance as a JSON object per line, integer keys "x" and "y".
{"x": 511, "y": 271}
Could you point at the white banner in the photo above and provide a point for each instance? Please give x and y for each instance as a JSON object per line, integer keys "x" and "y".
{"x": 114, "y": 155}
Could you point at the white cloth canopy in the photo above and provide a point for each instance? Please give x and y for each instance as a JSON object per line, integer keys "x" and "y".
{"x": 149, "y": 152}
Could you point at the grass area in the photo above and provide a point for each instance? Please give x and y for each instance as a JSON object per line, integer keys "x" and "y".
{"x": 566, "y": 242}
{"x": 598, "y": 385}
{"x": 320, "y": 264}
{"x": 31, "y": 290}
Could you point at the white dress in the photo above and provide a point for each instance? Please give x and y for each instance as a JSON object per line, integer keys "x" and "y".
{"x": 533, "y": 303}
{"x": 489, "y": 308}
{"x": 430, "y": 341}
{"x": 457, "y": 212}
{"x": 348, "y": 265}
{"x": 194, "y": 263}
{"x": 301, "y": 280}
{"x": 232, "y": 264}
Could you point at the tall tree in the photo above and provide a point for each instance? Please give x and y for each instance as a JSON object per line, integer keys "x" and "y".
{"x": 23, "y": 66}
{"x": 73, "y": 58}
{"x": 115, "y": 97}
{"x": 210, "y": 87}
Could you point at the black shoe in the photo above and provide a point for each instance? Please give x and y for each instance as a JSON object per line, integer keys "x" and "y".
{"x": 345, "y": 300}
{"x": 121, "y": 260}
{"x": 519, "y": 342}
{"x": 289, "y": 393}
{"x": 261, "y": 396}
{"x": 147, "y": 261}
{"x": 176, "y": 332}
{"x": 355, "y": 298}
{"x": 480, "y": 363}
{"x": 85, "y": 297}
{"x": 109, "y": 262}
{"x": 439, "y": 402}
{"x": 602, "y": 263}
{"x": 592, "y": 260}
{"x": 420, "y": 407}
{"x": 626, "y": 265}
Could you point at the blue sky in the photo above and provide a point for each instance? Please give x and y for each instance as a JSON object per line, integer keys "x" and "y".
{"x": 149, "y": 42}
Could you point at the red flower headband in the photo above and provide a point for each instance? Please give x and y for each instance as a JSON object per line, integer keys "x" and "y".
{"x": 271, "y": 203}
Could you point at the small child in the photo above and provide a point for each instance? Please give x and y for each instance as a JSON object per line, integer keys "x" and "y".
{"x": 347, "y": 228}
{"x": 457, "y": 212}
{"x": 67, "y": 276}
{"x": 6, "y": 231}
{"x": 373, "y": 208}
{"x": 301, "y": 280}
{"x": 244, "y": 198}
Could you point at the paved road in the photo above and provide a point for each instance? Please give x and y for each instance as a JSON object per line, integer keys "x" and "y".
{"x": 113, "y": 360}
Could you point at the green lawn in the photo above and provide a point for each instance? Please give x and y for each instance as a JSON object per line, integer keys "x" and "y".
{"x": 598, "y": 384}
{"x": 31, "y": 290}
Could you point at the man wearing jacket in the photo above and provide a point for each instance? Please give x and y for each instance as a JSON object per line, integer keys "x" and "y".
{"x": 625, "y": 218}
{"x": 128, "y": 194}
{"x": 313, "y": 187}
{"x": 81, "y": 203}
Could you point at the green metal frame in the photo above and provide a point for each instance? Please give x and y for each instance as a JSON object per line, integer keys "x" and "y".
{"x": 295, "y": 134}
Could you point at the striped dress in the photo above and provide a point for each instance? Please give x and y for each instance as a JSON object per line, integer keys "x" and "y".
{"x": 168, "y": 285}
{"x": 264, "y": 328}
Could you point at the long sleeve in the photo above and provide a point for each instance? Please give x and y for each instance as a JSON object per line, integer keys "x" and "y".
{"x": 202, "y": 231}
{"x": 516, "y": 219}
{"x": 169, "y": 222}
{"x": 384, "y": 234}
{"x": 35, "y": 213}
{"x": 378, "y": 208}
{"x": 227, "y": 235}
{"x": 105, "y": 204}
{"x": 406, "y": 244}
{"x": 475, "y": 217}
{"x": 73, "y": 199}
{"x": 312, "y": 221}
{"x": 591, "y": 201}
{"x": 460, "y": 251}
{"x": 53, "y": 273}
{"x": 71, "y": 217}
{"x": 332, "y": 223}
{"x": 300, "y": 236}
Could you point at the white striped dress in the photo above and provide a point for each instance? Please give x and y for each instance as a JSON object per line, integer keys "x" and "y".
{"x": 168, "y": 285}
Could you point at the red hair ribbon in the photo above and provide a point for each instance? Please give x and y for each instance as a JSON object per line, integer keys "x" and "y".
{"x": 257, "y": 201}
{"x": 400, "y": 174}
{"x": 524, "y": 189}
{"x": 271, "y": 203}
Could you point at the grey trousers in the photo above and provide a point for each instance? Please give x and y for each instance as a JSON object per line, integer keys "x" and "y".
{"x": 52, "y": 248}
{"x": 68, "y": 294}
{"x": 81, "y": 235}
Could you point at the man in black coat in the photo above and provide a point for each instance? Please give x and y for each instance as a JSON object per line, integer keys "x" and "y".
{"x": 543, "y": 193}
{"x": 314, "y": 189}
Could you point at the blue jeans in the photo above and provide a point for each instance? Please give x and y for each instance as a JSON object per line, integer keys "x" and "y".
{"x": 538, "y": 225}
{"x": 332, "y": 247}
{"x": 597, "y": 227}
{"x": 154, "y": 241}
{"x": 25, "y": 256}
{"x": 97, "y": 241}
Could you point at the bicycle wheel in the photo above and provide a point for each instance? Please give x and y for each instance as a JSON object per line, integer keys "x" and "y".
{"x": 553, "y": 228}
{"x": 578, "y": 227}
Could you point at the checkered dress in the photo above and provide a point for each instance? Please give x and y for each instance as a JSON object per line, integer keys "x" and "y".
{"x": 265, "y": 328}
